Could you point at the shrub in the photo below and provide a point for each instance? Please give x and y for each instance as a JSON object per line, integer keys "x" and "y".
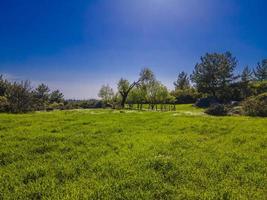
{"x": 259, "y": 87}
{"x": 3, "y": 104}
{"x": 217, "y": 110}
{"x": 206, "y": 102}
{"x": 55, "y": 106}
{"x": 236, "y": 110}
{"x": 256, "y": 105}
{"x": 19, "y": 97}
{"x": 186, "y": 96}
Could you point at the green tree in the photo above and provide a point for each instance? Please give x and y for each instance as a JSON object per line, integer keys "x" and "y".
{"x": 41, "y": 96}
{"x": 56, "y": 97}
{"x": 162, "y": 96}
{"x": 3, "y": 85}
{"x": 182, "y": 81}
{"x": 19, "y": 97}
{"x": 261, "y": 71}
{"x": 3, "y": 104}
{"x": 246, "y": 77}
{"x": 124, "y": 86}
{"x": 153, "y": 88}
{"x": 214, "y": 74}
{"x": 106, "y": 94}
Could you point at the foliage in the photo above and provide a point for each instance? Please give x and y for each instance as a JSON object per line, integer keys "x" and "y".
{"x": 246, "y": 78}
{"x": 256, "y": 105}
{"x": 106, "y": 94}
{"x": 206, "y": 102}
{"x": 19, "y": 97}
{"x": 3, "y": 104}
{"x": 182, "y": 82}
{"x": 217, "y": 110}
{"x": 185, "y": 96}
{"x": 55, "y": 106}
{"x": 56, "y": 97}
{"x": 41, "y": 97}
{"x": 261, "y": 71}
{"x": 105, "y": 154}
{"x": 258, "y": 87}
{"x": 214, "y": 74}
{"x": 3, "y": 86}
{"x": 83, "y": 104}
{"x": 124, "y": 86}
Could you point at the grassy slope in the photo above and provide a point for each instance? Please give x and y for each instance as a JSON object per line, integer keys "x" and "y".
{"x": 101, "y": 154}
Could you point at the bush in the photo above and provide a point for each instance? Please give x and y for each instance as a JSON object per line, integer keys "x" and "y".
{"x": 187, "y": 96}
{"x": 256, "y": 106}
{"x": 258, "y": 87}
{"x": 55, "y": 106}
{"x": 206, "y": 102}
{"x": 3, "y": 104}
{"x": 19, "y": 97}
{"x": 236, "y": 110}
{"x": 217, "y": 110}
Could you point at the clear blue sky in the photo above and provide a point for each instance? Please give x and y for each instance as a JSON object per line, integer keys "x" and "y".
{"x": 79, "y": 45}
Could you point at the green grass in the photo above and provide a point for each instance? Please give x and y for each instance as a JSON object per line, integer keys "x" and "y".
{"x": 106, "y": 154}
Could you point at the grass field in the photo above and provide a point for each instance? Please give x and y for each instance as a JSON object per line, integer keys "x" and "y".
{"x": 106, "y": 154}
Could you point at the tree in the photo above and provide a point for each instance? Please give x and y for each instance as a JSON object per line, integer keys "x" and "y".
{"x": 162, "y": 95}
{"x": 214, "y": 74}
{"x": 182, "y": 81}
{"x": 41, "y": 96}
{"x": 187, "y": 96}
{"x": 261, "y": 71}
{"x": 56, "y": 97}
{"x": 153, "y": 88}
{"x": 3, "y": 104}
{"x": 133, "y": 97}
{"x": 137, "y": 96}
{"x": 19, "y": 97}
{"x": 3, "y": 85}
{"x": 246, "y": 77}
{"x": 106, "y": 94}
{"x": 124, "y": 86}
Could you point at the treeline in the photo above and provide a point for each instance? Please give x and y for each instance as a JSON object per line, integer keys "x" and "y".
{"x": 213, "y": 84}
{"x": 21, "y": 97}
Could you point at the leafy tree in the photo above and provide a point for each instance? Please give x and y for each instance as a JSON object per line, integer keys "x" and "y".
{"x": 106, "y": 94}
{"x": 3, "y": 85}
{"x": 261, "y": 71}
{"x": 124, "y": 86}
{"x": 162, "y": 95}
{"x": 56, "y": 97}
{"x": 182, "y": 81}
{"x": 214, "y": 74}
{"x": 3, "y": 104}
{"x": 246, "y": 77}
{"x": 133, "y": 97}
{"x": 137, "y": 96}
{"x": 115, "y": 101}
{"x": 153, "y": 88}
{"x": 19, "y": 97}
{"x": 41, "y": 96}
{"x": 187, "y": 96}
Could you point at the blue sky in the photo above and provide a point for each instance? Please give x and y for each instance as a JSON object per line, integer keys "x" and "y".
{"x": 79, "y": 45}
